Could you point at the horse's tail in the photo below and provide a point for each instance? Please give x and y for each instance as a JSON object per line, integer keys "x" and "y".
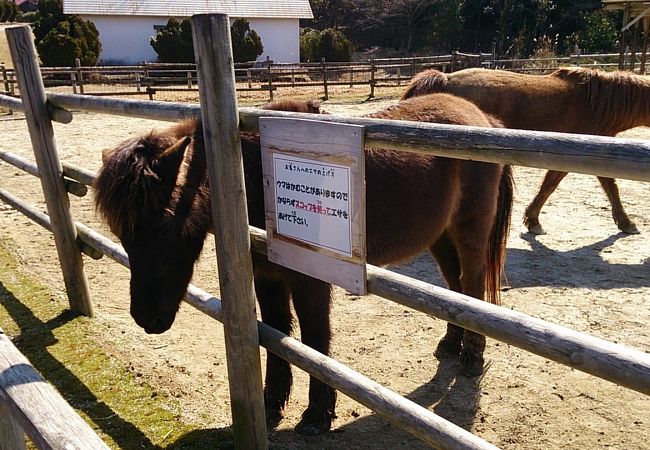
{"x": 498, "y": 239}
{"x": 426, "y": 82}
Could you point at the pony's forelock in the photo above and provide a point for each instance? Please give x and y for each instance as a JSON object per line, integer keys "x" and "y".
{"x": 123, "y": 183}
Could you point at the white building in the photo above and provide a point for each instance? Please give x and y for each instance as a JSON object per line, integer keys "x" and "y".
{"x": 127, "y": 26}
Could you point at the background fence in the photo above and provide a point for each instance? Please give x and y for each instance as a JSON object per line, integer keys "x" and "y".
{"x": 625, "y": 159}
{"x": 150, "y": 79}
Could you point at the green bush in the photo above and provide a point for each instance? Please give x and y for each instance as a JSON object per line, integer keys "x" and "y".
{"x": 8, "y": 11}
{"x": 61, "y": 39}
{"x": 173, "y": 43}
{"x": 330, "y": 44}
{"x": 600, "y": 34}
{"x": 246, "y": 43}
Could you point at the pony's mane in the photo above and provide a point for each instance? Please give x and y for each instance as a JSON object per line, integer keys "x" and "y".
{"x": 618, "y": 97}
{"x": 131, "y": 177}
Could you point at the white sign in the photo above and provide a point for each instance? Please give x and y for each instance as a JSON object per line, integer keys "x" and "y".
{"x": 314, "y": 198}
{"x": 313, "y": 202}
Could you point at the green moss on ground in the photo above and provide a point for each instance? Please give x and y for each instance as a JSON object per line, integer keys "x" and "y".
{"x": 125, "y": 412}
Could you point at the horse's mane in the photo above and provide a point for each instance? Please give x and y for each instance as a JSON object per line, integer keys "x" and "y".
{"x": 619, "y": 99}
{"x": 134, "y": 175}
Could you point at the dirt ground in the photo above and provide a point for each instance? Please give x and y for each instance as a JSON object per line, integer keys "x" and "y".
{"x": 583, "y": 274}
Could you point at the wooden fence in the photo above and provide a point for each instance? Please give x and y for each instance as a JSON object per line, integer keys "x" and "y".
{"x": 30, "y": 406}
{"x": 149, "y": 79}
{"x": 624, "y": 159}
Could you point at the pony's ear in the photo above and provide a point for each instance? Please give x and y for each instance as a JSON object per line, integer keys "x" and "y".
{"x": 178, "y": 147}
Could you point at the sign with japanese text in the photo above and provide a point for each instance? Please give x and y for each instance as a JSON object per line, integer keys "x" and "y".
{"x": 315, "y": 198}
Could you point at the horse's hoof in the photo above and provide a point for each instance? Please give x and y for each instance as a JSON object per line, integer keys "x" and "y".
{"x": 471, "y": 364}
{"x": 314, "y": 423}
{"x": 536, "y": 229}
{"x": 629, "y": 228}
{"x": 448, "y": 347}
{"x": 273, "y": 418}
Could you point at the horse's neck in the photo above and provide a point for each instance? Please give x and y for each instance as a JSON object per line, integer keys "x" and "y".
{"x": 620, "y": 102}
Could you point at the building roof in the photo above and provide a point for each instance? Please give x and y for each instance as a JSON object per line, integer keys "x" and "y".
{"x": 298, "y": 9}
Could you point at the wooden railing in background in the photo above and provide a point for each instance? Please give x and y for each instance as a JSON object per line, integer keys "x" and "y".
{"x": 149, "y": 79}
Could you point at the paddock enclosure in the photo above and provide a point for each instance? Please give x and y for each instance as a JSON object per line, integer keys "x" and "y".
{"x": 522, "y": 401}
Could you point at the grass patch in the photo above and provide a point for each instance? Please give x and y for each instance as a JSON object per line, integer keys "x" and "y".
{"x": 125, "y": 412}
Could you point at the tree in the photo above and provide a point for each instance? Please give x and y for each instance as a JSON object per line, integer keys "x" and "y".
{"x": 173, "y": 43}
{"x": 412, "y": 19}
{"x": 329, "y": 44}
{"x": 246, "y": 43}
{"x": 61, "y": 39}
{"x": 601, "y": 32}
{"x": 8, "y": 11}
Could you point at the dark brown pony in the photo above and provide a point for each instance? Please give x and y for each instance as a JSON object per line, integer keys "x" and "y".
{"x": 152, "y": 191}
{"x": 569, "y": 100}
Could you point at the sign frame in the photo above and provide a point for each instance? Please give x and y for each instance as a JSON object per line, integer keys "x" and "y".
{"x": 315, "y": 244}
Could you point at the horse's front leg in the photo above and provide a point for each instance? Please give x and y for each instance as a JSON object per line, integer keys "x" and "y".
{"x": 531, "y": 216}
{"x": 620, "y": 217}
{"x": 311, "y": 299}
{"x": 273, "y": 297}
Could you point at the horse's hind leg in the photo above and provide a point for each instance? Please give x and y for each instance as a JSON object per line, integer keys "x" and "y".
{"x": 620, "y": 217}
{"x": 531, "y": 216}
{"x": 470, "y": 237}
{"x": 273, "y": 297}
{"x": 311, "y": 299}
{"x": 447, "y": 257}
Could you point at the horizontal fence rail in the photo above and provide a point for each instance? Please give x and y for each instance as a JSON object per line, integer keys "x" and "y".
{"x": 31, "y": 406}
{"x": 594, "y": 155}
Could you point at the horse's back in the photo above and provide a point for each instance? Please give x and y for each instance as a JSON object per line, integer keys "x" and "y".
{"x": 437, "y": 108}
{"x": 413, "y": 198}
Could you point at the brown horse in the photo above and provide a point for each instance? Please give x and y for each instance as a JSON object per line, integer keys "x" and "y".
{"x": 152, "y": 191}
{"x": 569, "y": 100}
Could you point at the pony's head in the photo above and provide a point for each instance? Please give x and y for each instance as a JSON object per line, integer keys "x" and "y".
{"x": 149, "y": 196}
{"x": 153, "y": 193}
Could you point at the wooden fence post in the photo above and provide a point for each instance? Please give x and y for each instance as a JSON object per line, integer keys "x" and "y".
{"x": 5, "y": 80}
{"x": 269, "y": 71}
{"x": 324, "y": 72}
{"x": 73, "y": 82}
{"x": 32, "y": 92}
{"x": 372, "y": 77}
{"x": 213, "y": 52}
{"x": 646, "y": 28}
{"x": 80, "y": 76}
{"x": 7, "y": 85}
